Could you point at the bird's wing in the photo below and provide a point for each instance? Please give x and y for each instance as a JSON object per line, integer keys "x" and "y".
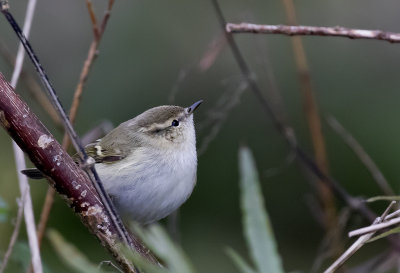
{"x": 102, "y": 154}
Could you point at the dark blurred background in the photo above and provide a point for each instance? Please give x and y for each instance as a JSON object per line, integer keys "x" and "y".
{"x": 149, "y": 45}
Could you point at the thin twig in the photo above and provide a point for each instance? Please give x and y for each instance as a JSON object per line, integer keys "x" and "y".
{"x": 358, "y": 243}
{"x": 374, "y": 227}
{"x": 387, "y": 210}
{"x": 349, "y": 252}
{"x": 314, "y": 31}
{"x": 15, "y": 233}
{"x": 286, "y": 132}
{"x": 98, "y": 33}
{"x": 93, "y": 19}
{"x": 393, "y": 214}
{"x": 362, "y": 155}
{"x": 19, "y": 154}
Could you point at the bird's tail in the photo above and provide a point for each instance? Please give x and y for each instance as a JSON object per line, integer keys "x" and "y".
{"x": 33, "y": 173}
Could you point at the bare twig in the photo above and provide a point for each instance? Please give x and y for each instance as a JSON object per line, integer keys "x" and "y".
{"x": 358, "y": 243}
{"x": 314, "y": 31}
{"x": 28, "y": 210}
{"x": 92, "y": 15}
{"x": 393, "y": 214}
{"x": 374, "y": 227}
{"x": 20, "y": 158}
{"x": 362, "y": 155}
{"x": 15, "y": 233}
{"x": 349, "y": 252}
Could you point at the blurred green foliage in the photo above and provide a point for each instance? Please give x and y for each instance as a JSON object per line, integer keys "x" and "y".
{"x": 70, "y": 255}
{"x": 256, "y": 224}
{"x": 3, "y": 210}
{"x": 20, "y": 259}
{"x": 146, "y": 46}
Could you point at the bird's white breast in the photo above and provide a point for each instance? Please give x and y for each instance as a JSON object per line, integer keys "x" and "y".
{"x": 151, "y": 183}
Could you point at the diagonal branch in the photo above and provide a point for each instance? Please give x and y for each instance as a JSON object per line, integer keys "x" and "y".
{"x": 337, "y": 31}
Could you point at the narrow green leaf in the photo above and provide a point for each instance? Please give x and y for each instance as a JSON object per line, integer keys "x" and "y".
{"x": 241, "y": 264}
{"x": 159, "y": 242}
{"x": 384, "y": 234}
{"x": 257, "y": 227}
{"x": 71, "y": 256}
{"x": 383, "y": 197}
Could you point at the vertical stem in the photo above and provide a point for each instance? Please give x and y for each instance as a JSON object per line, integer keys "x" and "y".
{"x": 20, "y": 158}
{"x": 28, "y": 210}
{"x": 313, "y": 119}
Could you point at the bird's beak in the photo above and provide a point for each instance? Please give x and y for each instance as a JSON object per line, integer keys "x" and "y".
{"x": 193, "y": 107}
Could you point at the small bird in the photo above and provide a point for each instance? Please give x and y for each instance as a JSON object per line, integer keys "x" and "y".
{"x": 148, "y": 164}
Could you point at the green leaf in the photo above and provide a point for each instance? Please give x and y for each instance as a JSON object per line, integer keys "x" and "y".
{"x": 257, "y": 227}
{"x": 70, "y": 255}
{"x": 239, "y": 261}
{"x": 385, "y": 198}
{"x": 384, "y": 234}
{"x": 159, "y": 242}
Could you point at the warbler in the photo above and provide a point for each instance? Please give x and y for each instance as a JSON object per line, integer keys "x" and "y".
{"x": 148, "y": 164}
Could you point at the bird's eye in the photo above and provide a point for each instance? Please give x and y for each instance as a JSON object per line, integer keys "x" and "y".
{"x": 175, "y": 123}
